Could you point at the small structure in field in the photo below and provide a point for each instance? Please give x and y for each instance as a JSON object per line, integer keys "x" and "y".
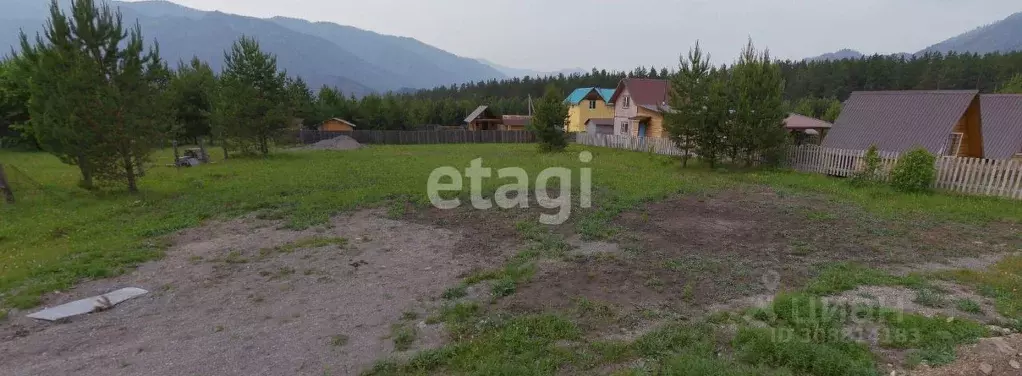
{"x": 337, "y": 125}
{"x": 483, "y": 119}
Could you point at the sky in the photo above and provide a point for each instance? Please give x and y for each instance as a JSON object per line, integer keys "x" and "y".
{"x": 623, "y": 34}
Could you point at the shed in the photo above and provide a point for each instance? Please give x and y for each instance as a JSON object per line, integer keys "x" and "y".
{"x": 483, "y": 119}
{"x": 1002, "y": 125}
{"x": 337, "y": 125}
{"x": 942, "y": 122}
{"x": 805, "y": 129}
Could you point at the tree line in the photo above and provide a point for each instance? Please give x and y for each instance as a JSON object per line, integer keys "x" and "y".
{"x": 90, "y": 92}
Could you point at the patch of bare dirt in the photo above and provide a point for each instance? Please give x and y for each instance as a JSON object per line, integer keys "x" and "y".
{"x": 990, "y": 357}
{"x": 235, "y": 299}
{"x": 702, "y": 253}
{"x": 907, "y": 300}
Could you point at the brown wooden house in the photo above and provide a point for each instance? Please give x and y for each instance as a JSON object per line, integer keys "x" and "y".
{"x": 483, "y": 119}
{"x": 945, "y": 123}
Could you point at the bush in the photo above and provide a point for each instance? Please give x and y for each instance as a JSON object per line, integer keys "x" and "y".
{"x": 870, "y": 172}
{"x": 914, "y": 172}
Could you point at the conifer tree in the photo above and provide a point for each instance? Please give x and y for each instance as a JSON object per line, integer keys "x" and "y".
{"x": 549, "y": 119}
{"x": 192, "y": 91}
{"x": 97, "y": 96}
{"x": 689, "y": 101}
{"x": 252, "y": 104}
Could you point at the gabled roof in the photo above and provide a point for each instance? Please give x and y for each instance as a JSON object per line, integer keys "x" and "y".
{"x": 581, "y": 93}
{"x": 899, "y": 120}
{"x": 479, "y": 111}
{"x": 342, "y": 121}
{"x": 644, "y": 91}
{"x": 796, "y": 121}
{"x": 1002, "y": 125}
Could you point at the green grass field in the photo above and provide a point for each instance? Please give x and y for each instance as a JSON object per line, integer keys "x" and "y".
{"x": 58, "y": 233}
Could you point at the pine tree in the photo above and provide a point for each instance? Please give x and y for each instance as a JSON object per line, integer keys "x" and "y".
{"x": 689, "y": 101}
{"x": 302, "y": 102}
{"x": 253, "y": 106}
{"x": 192, "y": 91}
{"x": 549, "y": 119}
{"x": 97, "y": 96}
{"x": 757, "y": 99}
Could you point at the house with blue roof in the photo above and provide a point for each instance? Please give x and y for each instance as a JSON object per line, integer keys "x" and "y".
{"x": 588, "y": 103}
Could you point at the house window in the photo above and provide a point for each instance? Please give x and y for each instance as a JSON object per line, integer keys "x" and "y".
{"x": 592, "y": 105}
{"x": 624, "y": 128}
{"x": 953, "y": 145}
{"x": 628, "y": 101}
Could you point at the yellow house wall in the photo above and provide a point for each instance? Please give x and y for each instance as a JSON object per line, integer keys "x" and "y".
{"x": 656, "y": 124}
{"x": 579, "y": 114}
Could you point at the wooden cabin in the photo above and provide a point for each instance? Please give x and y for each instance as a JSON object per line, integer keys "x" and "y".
{"x": 337, "y": 125}
{"x": 483, "y": 119}
{"x": 945, "y": 123}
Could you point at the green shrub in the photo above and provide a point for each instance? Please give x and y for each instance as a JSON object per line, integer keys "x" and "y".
{"x": 914, "y": 172}
{"x": 870, "y": 172}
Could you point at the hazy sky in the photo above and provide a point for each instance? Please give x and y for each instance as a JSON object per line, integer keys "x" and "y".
{"x": 621, "y": 34}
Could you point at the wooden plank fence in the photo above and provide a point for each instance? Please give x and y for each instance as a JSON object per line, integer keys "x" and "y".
{"x": 973, "y": 176}
{"x": 658, "y": 145}
{"x": 420, "y": 137}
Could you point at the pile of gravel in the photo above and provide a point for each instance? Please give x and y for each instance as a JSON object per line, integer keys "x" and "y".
{"x": 336, "y": 143}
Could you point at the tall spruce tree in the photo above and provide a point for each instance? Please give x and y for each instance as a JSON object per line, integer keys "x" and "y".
{"x": 252, "y": 104}
{"x": 97, "y": 96}
{"x": 549, "y": 119}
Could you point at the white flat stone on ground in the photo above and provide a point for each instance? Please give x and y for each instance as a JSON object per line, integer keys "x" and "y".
{"x": 88, "y": 305}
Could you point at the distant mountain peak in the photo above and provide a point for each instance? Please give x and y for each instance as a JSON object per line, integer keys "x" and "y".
{"x": 841, "y": 54}
{"x": 1001, "y": 36}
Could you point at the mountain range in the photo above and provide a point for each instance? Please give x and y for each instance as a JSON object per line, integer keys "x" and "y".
{"x": 354, "y": 60}
{"x": 1002, "y": 36}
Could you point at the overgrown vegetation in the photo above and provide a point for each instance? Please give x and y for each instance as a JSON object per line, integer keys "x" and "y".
{"x": 914, "y": 172}
{"x": 870, "y": 172}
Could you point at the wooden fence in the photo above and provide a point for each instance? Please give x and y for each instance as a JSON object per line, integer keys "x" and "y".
{"x": 663, "y": 146}
{"x": 975, "y": 176}
{"x": 421, "y": 137}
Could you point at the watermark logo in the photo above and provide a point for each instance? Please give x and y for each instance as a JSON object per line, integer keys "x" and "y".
{"x": 515, "y": 194}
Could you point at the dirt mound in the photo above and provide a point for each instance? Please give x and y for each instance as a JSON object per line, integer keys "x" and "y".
{"x": 336, "y": 143}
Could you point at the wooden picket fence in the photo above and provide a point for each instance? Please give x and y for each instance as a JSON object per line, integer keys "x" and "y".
{"x": 420, "y": 137}
{"x": 973, "y": 176}
{"x": 657, "y": 145}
